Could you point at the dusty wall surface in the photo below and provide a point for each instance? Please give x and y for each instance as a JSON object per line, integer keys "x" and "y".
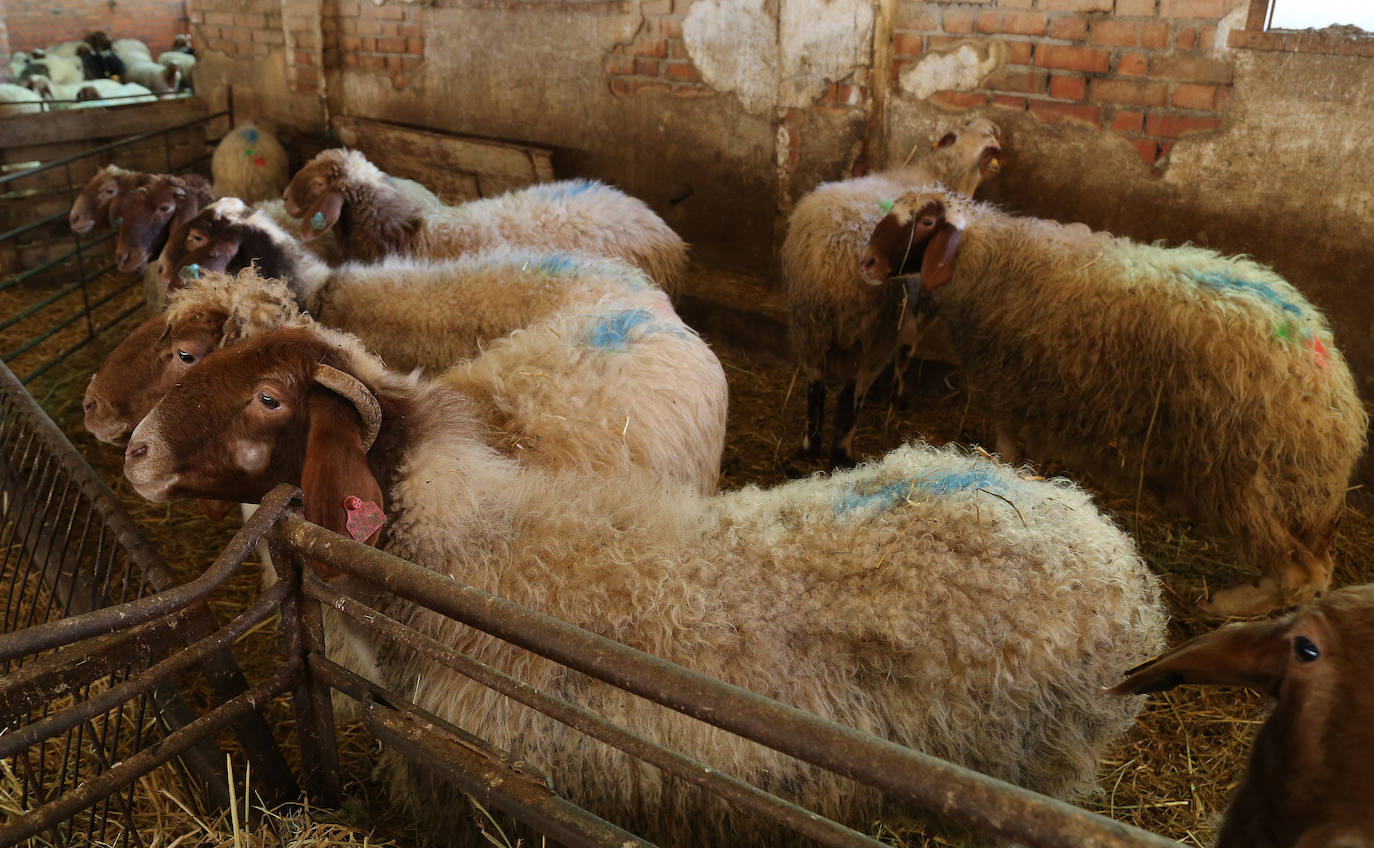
{"x": 46, "y": 23}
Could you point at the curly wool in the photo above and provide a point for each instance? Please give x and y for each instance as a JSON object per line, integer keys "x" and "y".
{"x": 581, "y": 215}
{"x": 250, "y": 164}
{"x": 1087, "y": 338}
{"x": 900, "y": 598}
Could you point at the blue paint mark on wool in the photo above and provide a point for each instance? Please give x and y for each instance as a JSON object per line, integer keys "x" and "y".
{"x": 554, "y": 264}
{"x": 250, "y": 134}
{"x": 612, "y": 331}
{"x": 1220, "y": 280}
{"x": 944, "y": 483}
{"x": 565, "y": 188}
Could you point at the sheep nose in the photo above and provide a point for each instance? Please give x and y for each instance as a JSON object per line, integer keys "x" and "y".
{"x": 124, "y": 258}
{"x": 136, "y": 450}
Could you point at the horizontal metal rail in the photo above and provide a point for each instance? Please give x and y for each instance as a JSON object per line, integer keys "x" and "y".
{"x": 958, "y": 794}
{"x": 137, "y": 308}
{"x": 113, "y": 145}
{"x": 81, "y": 248}
{"x": 33, "y": 225}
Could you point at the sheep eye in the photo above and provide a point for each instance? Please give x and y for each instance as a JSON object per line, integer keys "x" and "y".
{"x": 269, "y": 401}
{"x": 189, "y": 359}
{"x": 195, "y": 240}
{"x": 1305, "y": 650}
{"x": 165, "y": 208}
{"x": 927, "y": 222}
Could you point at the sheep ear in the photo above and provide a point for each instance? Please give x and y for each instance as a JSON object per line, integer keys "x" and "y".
{"x": 336, "y": 470}
{"x": 937, "y": 265}
{"x": 945, "y": 141}
{"x": 1253, "y": 655}
{"x": 322, "y": 214}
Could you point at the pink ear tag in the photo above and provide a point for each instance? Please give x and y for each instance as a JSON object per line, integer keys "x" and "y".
{"x": 364, "y": 518}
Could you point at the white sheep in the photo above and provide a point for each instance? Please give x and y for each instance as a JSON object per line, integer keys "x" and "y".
{"x": 184, "y": 62}
{"x": 839, "y": 326}
{"x": 249, "y": 163}
{"x": 131, "y": 50}
{"x": 341, "y": 189}
{"x": 933, "y": 598}
{"x": 159, "y": 79}
{"x": 107, "y": 92}
{"x": 1208, "y": 376}
{"x": 18, "y": 100}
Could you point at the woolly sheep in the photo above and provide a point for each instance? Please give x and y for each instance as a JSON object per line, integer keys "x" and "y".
{"x": 55, "y": 95}
{"x": 131, "y": 49}
{"x": 584, "y": 363}
{"x": 341, "y": 189}
{"x": 18, "y": 100}
{"x": 1207, "y": 375}
{"x": 840, "y": 327}
{"x": 1307, "y": 783}
{"x": 901, "y": 598}
{"x": 159, "y": 79}
{"x": 183, "y": 62}
{"x": 101, "y": 199}
{"x": 111, "y": 93}
{"x": 152, "y": 211}
{"x": 249, "y": 163}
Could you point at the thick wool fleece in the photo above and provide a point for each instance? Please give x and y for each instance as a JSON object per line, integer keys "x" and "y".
{"x": 1087, "y": 339}
{"x": 250, "y": 164}
{"x": 905, "y": 598}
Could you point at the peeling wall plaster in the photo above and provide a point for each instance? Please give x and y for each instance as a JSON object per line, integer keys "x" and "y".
{"x": 735, "y": 47}
{"x": 962, "y": 69}
{"x": 823, "y": 41}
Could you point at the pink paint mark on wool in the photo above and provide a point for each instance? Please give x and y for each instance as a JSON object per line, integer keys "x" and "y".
{"x": 1320, "y": 355}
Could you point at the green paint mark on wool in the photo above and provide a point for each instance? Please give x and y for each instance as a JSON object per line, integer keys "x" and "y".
{"x": 939, "y": 483}
{"x": 886, "y": 205}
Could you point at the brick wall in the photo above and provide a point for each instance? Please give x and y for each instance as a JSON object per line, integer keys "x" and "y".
{"x": 253, "y": 29}
{"x": 45, "y": 23}
{"x": 656, "y": 58}
{"x": 387, "y": 39}
{"x": 1143, "y": 69}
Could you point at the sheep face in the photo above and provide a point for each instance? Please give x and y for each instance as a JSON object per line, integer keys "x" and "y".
{"x": 968, "y": 156}
{"x": 1309, "y": 771}
{"x": 208, "y": 242}
{"x": 926, "y": 224}
{"x": 143, "y": 368}
{"x": 149, "y": 212}
{"x": 94, "y": 201}
{"x": 315, "y": 194}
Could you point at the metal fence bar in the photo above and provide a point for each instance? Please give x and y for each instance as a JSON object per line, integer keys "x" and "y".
{"x": 960, "y": 795}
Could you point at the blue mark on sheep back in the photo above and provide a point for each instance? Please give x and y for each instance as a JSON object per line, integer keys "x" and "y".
{"x": 1222, "y": 280}
{"x": 564, "y": 188}
{"x": 613, "y": 331}
{"x": 938, "y": 483}
{"x": 250, "y": 134}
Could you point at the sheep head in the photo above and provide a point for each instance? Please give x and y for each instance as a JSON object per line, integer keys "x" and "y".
{"x": 280, "y": 408}
{"x": 100, "y": 198}
{"x": 928, "y": 223}
{"x": 316, "y": 193}
{"x": 964, "y": 158}
{"x": 1309, "y": 772}
{"x": 151, "y": 211}
{"x": 209, "y": 241}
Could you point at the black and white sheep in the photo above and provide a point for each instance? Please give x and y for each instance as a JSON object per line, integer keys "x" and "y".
{"x": 933, "y": 598}
{"x": 840, "y": 327}
{"x": 1207, "y": 375}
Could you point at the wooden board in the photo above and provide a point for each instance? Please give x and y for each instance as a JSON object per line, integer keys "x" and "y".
{"x": 455, "y": 167}
{"x": 95, "y": 123}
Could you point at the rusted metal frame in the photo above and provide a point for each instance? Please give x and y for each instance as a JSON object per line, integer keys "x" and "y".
{"x": 122, "y": 616}
{"x": 490, "y": 775}
{"x": 56, "y": 674}
{"x": 733, "y": 790}
{"x": 302, "y": 634}
{"x": 145, "y": 681}
{"x": 134, "y": 767}
{"x": 113, "y": 145}
{"x": 104, "y": 766}
{"x": 961, "y": 795}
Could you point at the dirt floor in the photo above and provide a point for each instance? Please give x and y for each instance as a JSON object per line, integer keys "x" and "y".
{"x": 1170, "y": 774}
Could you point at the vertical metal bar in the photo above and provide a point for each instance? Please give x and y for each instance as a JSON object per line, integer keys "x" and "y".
{"x": 80, "y": 258}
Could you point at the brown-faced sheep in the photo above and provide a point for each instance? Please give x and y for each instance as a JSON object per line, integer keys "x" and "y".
{"x": 1307, "y": 783}
{"x": 102, "y": 198}
{"x": 342, "y": 190}
{"x": 1209, "y": 376}
{"x": 900, "y": 598}
{"x": 154, "y": 209}
{"x": 840, "y": 327}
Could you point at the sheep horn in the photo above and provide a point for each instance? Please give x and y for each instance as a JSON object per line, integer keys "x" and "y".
{"x": 353, "y": 390}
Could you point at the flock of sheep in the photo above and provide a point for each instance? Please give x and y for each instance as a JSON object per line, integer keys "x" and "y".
{"x": 508, "y": 382}
{"x": 94, "y": 71}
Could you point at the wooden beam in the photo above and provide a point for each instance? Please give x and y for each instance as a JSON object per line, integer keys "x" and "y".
{"x": 110, "y": 122}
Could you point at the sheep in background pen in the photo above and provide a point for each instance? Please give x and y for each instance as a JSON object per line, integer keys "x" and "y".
{"x": 18, "y": 100}
{"x": 107, "y": 92}
{"x": 838, "y": 325}
{"x": 900, "y": 598}
{"x": 342, "y": 190}
{"x": 101, "y": 200}
{"x": 1308, "y": 778}
{"x": 1207, "y": 376}
{"x": 249, "y": 163}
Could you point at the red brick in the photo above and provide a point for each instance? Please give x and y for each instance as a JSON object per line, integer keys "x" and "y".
{"x": 369, "y": 45}
{"x": 692, "y": 91}
{"x": 957, "y": 20}
{"x": 989, "y": 22}
{"x": 619, "y": 63}
{"x": 391, "y": 45}
{"x": 219, "y": 19}
{"x": 1154, "y": 35}
{"x": 307, "y": 75}
{"x": 303, "y": 57}
{"x": 906, "y": 44}
{"x": 1192, "y": 96}
{"x": 619, "y": 87}
{"x": 1213, "y": 9}
{"x": 386, "y": 11}
{"x": 672, "y": 28}
{"x": 1016, "y": 4}
{"x": 658, "y": 49}
{"x": 398, "y": 80}
{"x": 1187, "y": 39}
{"x": 1133, "y": 65}
{"x": 677, "y": 49}
{"x": 1066, "y": 58}
{"x": 415, "y": 45}
{"x": 411, "y": 63}
{"x": 393, "y": 63}
{"x": 916, "y": 16}
{"x": 1205, "y": 37}
{"x": 1129, "y": 92}
{"x": 1135, "y": 8}
{"x": 959, "y": 99}
{"x": 1173, "y": 126}
{"x": 1024, "y": 23}
{"x": 1146, "y": 148}
{"x": 638, "y": 88}
{"x": 1114, "y": 33}
{"x": 1008, "y": 102}
{"x": 1191, "y": 69}
{"x": 1127, "y": 122}
{"x": 948, "y": 42}
{"x": 1068, "y": 28}
{"x": 411, "y": 30}
{"x": 369, "y": 29}
{"x": 646, "y": 67}
{"x": 374, "y": 63}
{"x": 1067, "y": 88}
{"x": 1223, "y": 97}
{"x": 1018, "y": 52}
{"x": 1076, "y": 5}
{"x": 1013, "y": 79}
{"x": 1051, "y": 112}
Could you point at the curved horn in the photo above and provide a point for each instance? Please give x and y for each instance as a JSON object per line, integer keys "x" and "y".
{"x": 353, "y": 390}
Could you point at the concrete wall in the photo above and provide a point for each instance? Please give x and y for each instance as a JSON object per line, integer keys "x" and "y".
{"x": 45, "y": 23}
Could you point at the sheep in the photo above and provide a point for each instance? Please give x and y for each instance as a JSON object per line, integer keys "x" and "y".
{"x": 341, "y": 189}
{"x": 100, "y": 64}
{"x": 101, "y": 199}
{"x": 584, "y": 363}
{"x": 159, "y": 79}
{"x": 60, "y": 70}
{"x": 900, "y": 598}
{"x": 151, "y": 211}
{"x": 838, "y": 326}
{"x": 185, "y": 63}
{"x": 1207, "y": 375}
{"x": 55, "y": 95}
{"x": 18, "y": 100}
{"x": 130, "y": 50}
{"x": 249, "y": 163}
{"x": 111, "y": 93}
{"x": 1307, "y": 783}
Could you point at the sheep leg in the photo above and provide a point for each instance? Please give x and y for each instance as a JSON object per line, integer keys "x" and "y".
{"x": 846, "y": 422}
{"x": 815, "y": 415}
